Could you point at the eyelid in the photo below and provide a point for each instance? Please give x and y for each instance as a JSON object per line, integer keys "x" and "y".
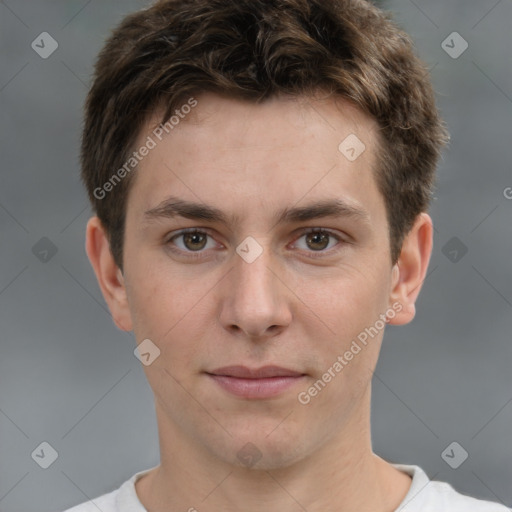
{"x": 176, "y": 234}
{"x": 191, "y": 255}
{"x": 301, "y": 232}
{"x": 330, "y": 232}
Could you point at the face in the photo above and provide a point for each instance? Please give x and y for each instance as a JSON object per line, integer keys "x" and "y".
{"x": 287, "y": 265}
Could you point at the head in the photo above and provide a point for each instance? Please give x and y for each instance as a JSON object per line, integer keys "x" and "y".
{"x": 245, "y": 108}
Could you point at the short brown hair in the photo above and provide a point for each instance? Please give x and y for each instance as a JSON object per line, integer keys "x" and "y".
{"x": 255, "y": 49}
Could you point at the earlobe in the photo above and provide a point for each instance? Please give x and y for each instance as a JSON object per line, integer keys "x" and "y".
{"x": 410, "y": 271}
{"x": 108, "y": 274}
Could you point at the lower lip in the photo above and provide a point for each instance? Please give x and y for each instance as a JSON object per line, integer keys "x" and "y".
{"x": 256, "y": 388}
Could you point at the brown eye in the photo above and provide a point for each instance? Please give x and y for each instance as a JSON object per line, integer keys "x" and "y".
{"x": 194, "y": 241}
{"x": 317, "y": 241}
{"x": 190, "y": 241}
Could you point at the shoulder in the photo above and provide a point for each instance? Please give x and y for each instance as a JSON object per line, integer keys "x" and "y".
{"x": 442, "y": 496}
{"x": 427, "y": 495}
{"x": 123, "y": 499}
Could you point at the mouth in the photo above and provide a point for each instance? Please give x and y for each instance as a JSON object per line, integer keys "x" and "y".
{"x": 259, "y": 383}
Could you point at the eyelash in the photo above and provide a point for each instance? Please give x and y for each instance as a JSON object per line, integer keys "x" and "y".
{"x": 200, "y": 254}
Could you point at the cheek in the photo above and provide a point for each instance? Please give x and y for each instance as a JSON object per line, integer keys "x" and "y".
{"x": 346, "y": 308}
{"x": 344, "y": 302}
{"x": 159, "y": 299}
{"x": 171, "y": 311}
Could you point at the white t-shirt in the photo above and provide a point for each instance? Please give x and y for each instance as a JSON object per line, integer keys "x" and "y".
{"x": 424, "y": 495}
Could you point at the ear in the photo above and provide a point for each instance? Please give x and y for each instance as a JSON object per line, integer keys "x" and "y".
{"x": 109, "y": 275}
{"x": 411, "y": 268}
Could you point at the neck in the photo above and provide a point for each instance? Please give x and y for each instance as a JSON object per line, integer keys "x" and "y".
{"x": 342, "y": 474}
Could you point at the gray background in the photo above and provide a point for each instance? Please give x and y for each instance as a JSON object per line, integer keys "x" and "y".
{"x": 69, "y": 377}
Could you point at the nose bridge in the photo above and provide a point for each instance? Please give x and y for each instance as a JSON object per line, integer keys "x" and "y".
{"x": 253, "y": 299}
{"x": 252, "y": 274}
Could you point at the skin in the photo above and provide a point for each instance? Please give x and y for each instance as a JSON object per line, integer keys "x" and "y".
{"x": 287, "y": 308}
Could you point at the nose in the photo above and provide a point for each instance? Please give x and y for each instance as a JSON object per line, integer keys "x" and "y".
{"x": 255, "y": 301}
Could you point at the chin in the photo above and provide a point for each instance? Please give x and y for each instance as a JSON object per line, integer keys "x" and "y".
{"x": 256, "y": 449}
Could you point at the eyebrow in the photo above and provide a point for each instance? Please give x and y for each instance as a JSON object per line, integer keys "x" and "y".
{"x": 176, "y": 207}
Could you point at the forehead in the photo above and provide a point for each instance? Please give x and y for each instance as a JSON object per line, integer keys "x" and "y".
{"x": 265, "y": 154}
{"x": 224, "y": 115}
{"x": 296, "y": 110}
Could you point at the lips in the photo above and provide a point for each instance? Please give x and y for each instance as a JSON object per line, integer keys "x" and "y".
{"x": 258, "y": 383}
{"x": 242, "y": 372}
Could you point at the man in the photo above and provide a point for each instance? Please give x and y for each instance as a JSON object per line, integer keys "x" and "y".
{"x": 261, "y": 173}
